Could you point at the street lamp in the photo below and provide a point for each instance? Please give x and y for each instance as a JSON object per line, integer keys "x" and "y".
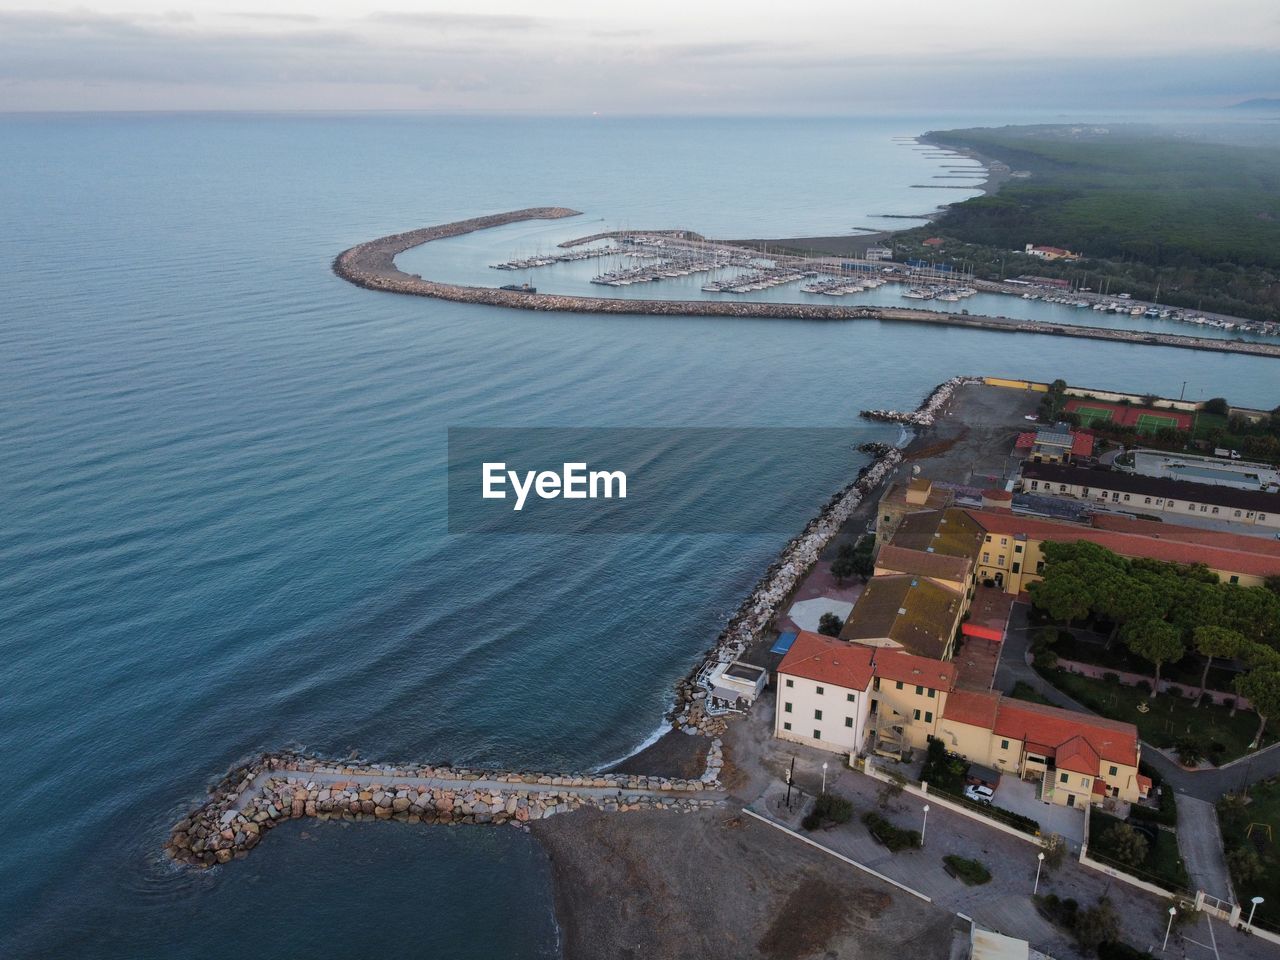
{"x": 824, "y": 776}
{"x": 1255, "y": 901}
{"x": 925, "y": 824}
{"x": 1173, "y": 911}
{"x": 1039, "y": 864}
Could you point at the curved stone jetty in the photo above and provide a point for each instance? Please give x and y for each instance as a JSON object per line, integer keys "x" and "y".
{"x": 274, "y": 788}
{"x": 372, "y": 265}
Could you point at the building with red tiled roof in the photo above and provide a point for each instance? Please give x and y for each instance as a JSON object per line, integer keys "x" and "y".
{"x": 1077, "y": 758}
{"x": 1011, "y": 554}
{"x": 823, "y": 691}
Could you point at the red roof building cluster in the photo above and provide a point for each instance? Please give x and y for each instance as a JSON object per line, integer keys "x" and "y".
{"x": 1239, "y": 557}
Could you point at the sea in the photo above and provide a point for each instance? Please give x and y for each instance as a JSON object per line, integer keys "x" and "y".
{"x": 224, "y": 526}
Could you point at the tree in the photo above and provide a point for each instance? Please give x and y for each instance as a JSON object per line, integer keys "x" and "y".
{"x": 1157, "y": 642}
{"x": 1272, "y": 583}
{"x": 843, "y": 567}
{"x": 830, "y": 625}
{"x": 1126, "y": 844}
{"x": 1261, "y": 687}
{"x": 1245, "y": 865}
{"x": 1213, "y": 642}
{"x": 1063, "y": 597}
{"x": 1096, "y": 925}
{"x": 1217, "y": 405}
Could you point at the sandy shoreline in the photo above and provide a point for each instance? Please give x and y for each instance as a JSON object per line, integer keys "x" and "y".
{"x": 855, "y": 245}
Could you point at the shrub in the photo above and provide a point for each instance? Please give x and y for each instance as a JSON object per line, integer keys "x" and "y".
{"x": 1125, "y": 844}
{"x": 1191, "y": 751}
{"x": 830, "y": 624}
{"x": 828, "y": 810}
{"x": 892, "y": 837}
{"x": 972, "y": 872}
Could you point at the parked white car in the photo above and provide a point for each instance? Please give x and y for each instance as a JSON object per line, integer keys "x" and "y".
{"x": 979, "y": 793}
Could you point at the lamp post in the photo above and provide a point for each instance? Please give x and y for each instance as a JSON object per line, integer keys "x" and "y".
{"x": 1172, "y": 913}
{"x": 924, "y": 824}
{"x": 1039, "y": 864}
{"x": 1255, "y": 901}
{"x": 824, "y": 776}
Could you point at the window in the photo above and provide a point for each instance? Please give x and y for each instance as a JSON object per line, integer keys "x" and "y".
{"x": 1062, "y": 488}
{"x": 986, "y": 558}
{"x": 1039, "y": 566}
{"x": 1126, "y": 498}
{"x": 1017, "y": 567}
{"x": 932, "y": 693}
{"x": 850, "y": 697}
{"x": 1004, "y": 744}
{"x": 1203, "y": 508}
{"x": 916, "y": 714}
{"x": 1018, "y": 548}
{"x": 786, "y": 708}
{"x": 820, "y": 691}
{"x": 928, "y": 716}
{"x": 1234, "y": 578}
{"x": 919, "y": 690}
{"x": 875, "y": 684}
{"x": 1237, "y": 513}
{"x": 1035, "y": 485}
{"x": 1115, "y": 496}
{"x": 1262, "y": 516}
{"x": 817, "y": 734}
{"x": 790, "y": 682}
{"x": 1004, "y": 541}
{"x": 1084, "y": 781}
{"x": 817, "y": 714}
{"x": 899, "y": 684}
{"x": 1214, "y": 510}
{"x": 1063, "y": 779}
{"x": 1146, "y": 500}
{"x": 848, "y": 721}
{"x": 787, "y": 725}
{"x": 1191, "y": 506}
{"x": 1113, "y": 772}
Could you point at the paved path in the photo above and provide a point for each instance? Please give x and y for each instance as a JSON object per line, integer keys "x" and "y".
{"x": 451, "y": 783}
{"x": 1200, "y": 842}
{"x": 1004, "y": 904}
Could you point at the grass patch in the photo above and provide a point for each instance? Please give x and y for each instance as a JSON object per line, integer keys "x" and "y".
{"x": 1024, "y": 691}
{"x": 1253, "y": 855}
{"x": 895, "y": 838}
{"x": 972, "y": 872}
{"x": 1163, "y": 865}
{"x": 1186, "y": 672}
{"x": 1169, "y": 720}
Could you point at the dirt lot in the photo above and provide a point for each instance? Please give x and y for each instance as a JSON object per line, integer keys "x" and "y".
{"x": 720, "y": 885}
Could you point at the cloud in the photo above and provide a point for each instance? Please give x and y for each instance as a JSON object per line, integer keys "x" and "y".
{"x": 457, "y": 61}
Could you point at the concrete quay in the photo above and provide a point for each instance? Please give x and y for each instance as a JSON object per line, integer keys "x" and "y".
{"x": 372, "y": 265}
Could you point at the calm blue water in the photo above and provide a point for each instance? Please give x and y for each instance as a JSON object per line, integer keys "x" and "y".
{"x": 223, "y": 524}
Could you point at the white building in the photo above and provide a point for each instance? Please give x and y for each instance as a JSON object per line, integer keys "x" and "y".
{"x": 823, "y": 690}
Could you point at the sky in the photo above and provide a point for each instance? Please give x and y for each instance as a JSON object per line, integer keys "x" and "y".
{"x": 651, "y": 57}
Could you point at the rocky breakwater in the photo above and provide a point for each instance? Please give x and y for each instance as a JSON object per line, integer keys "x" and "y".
{"x": 275, "y": 788}
{"x": 927, "y": 413}
{"x": 762, "y": 605}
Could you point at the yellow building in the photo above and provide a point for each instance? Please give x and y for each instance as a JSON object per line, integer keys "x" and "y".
{"x": 1078, "y": 759}
{"x": 1011, "y": 554}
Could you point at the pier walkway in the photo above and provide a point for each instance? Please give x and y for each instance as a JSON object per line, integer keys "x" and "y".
{"x": 264, "y": 779}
